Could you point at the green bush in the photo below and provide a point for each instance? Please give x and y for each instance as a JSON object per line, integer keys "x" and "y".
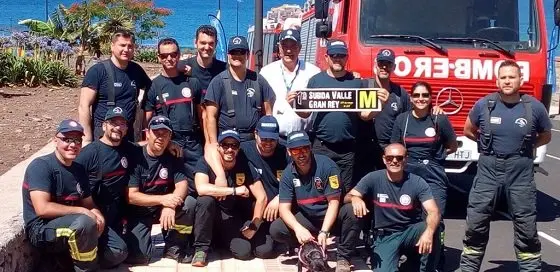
{"x": 34, "y": 72}
{"x": 146, "y": 55}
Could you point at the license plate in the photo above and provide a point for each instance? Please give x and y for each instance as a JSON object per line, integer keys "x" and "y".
{"x": 460, "y": 155}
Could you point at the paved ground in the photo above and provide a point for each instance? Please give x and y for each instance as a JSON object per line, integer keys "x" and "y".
{"x": 500, "y": 255}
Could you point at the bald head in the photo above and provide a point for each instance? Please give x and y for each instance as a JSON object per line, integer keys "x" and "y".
{"x": 395, "y": 149}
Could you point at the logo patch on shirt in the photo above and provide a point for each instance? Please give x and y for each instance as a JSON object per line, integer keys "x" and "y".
{"x": 405, "y": 200}
{"x": 394, "y": 106}
{"x": 259, "y": 170}
{"x": 163, "y": 173}
{"x": 333, "y": 181}
{"x": 233, "y": 92}
{"x": 186, "y": 92}
{"x": 239, "y": 179}
{"x": 296, "y": 182}
{"x": 521, "y": 122}
{"x": 319, "y": 184}
{"x": 117, "y": 84}
{"x": 382, "y": 198}
{"x": 133, "y": 84}
{"x": 278, "y": 174}
{"x": 430, "y": 132}
{"x": 124, "y": 162}
{"x": 495, "y": 120}
{"x": 250, "y": 92}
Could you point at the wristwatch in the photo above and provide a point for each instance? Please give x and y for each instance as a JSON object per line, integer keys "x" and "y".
{"x": 325, "y": 232}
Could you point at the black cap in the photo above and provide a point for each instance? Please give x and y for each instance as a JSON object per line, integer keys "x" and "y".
{"x": 337, "y": 47}
{"x": 238, "y": 43}
{"x": 290, "y": 34}
{"x": 115, "y": 112}
{"x": 297, "y": 139}
{"x": 160, "y": 121}
{"x": 69, "y": 125}
{"x": 386, "y": 54}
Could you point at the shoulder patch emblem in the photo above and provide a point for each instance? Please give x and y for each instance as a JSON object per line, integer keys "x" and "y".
{"x": 333, "y": 181}
{"x": 124, "y": 162}
{"x": 239, "y": 179}
{"x": 163, "y": 174}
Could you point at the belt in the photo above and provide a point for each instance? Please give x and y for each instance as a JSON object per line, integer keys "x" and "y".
{"x": 503, "y": 156}
{"x": 383, "y": 232}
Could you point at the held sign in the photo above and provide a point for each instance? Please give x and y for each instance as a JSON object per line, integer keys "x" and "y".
{"x": 337, "y": 99}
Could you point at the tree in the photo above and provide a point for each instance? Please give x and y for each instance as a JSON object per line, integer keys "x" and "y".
{"x": 53, "y": 27}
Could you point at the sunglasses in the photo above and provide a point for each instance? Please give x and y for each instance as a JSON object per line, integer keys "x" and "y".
{"x": 237, "y": 52}
{"x": 299, "y": 150}
{"x": 392, "y": 158}
{"x": 233, "y": 146}
{"x": 337, "y": 56}
{"x": 418, "y": 95}
{"x": 159, "y": 122}
{"x": 70, "y": 140}
{"x": 166, "y": 55}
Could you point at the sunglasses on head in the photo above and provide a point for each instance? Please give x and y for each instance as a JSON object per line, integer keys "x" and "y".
{"x": 418, "y": 95}
{"x": 298, "y": 150}
{"x": 237, "y": 52}
{"x": 233, "y": 146}
{"x": 70, "y": 140}
{"x": 166, "y": 55}
{"x": 392, "y": 158}
{"x": 160, "y": 121}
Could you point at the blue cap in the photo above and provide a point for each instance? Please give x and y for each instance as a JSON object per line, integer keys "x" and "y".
{"x": 337, "y": 47}
{"x": 238, "y": 43}
{"x": 290, "y": 34}
{"x": 115, "y": 112}
{"x": 267, "y": 128}
{"x": 297, "y": 139}
{"x": 228, "y": 134}
{"x": 160, "y": 121}
{"x": 386, "y": 54}
{"x": 69, "y": 125}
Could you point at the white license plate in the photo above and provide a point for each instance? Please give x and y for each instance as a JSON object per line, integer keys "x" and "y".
{"x": 460, "y": 155}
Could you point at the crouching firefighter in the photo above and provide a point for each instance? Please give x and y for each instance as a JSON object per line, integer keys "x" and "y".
{"x": 156, "y": 191}
{"x": 58, "y": 210}
{"x": 508, "y": 127}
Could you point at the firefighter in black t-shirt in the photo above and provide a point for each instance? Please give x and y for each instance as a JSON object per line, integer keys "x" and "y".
{"x": 156, "y": 192}
{"x": 58, "y": 210}
{"x": 108, "y": 162}
{"x": 177, "y": 97}
{"x": 395, "y": 196}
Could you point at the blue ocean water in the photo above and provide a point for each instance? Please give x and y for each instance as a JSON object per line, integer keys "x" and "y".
{"x": 187, "y": 15}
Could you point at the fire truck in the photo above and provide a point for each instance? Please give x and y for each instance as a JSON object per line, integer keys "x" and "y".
{"x": 455, "y": 45}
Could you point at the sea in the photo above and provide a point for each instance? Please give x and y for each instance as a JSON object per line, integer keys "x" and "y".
{"x": 236, "y": 15}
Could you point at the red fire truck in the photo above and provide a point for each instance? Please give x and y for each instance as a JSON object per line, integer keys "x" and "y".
{"x": 455, "y": 45}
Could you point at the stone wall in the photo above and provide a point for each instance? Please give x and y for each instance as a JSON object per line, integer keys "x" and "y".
{"x": 16, "y": 254}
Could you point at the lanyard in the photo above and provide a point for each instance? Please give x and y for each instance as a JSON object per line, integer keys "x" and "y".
{"x": 291, "y": 83}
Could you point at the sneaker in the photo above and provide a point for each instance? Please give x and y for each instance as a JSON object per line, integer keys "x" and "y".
{"x": 199, "y": 259}
{"x": 189, "y": 254}
{"x": 342, "y": 266}
{"x": 173, "y": 252}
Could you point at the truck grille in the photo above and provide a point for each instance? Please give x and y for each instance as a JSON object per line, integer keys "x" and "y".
{"x": 471, "y": 91}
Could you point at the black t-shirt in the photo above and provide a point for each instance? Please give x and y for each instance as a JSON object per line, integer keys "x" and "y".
{"x": 335, "y": 126}
{"x": 67, "y": 185}
{"x": 395, "y": 205}
{"x": 246, "y": 107}
{"x": 243, "y": 173}
{"x": 426, "y": 137}
{"x": 109, "y": 169}
{"x": 312, "y": 192}
{"x": 181, "y": 95}
{"x": 156, "y": 176}
{"x": 398, "y": 102}
{"x": 204, "y": 75}
{"x": 509, "y": 122}
{"x": 270, "y": 168}
{"x": 128, "y": 82}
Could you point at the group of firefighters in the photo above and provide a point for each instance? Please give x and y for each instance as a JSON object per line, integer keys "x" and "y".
{"x": 226, "y": 162}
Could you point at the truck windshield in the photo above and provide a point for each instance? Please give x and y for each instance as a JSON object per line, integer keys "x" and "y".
{"x": 513, "y": 24}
